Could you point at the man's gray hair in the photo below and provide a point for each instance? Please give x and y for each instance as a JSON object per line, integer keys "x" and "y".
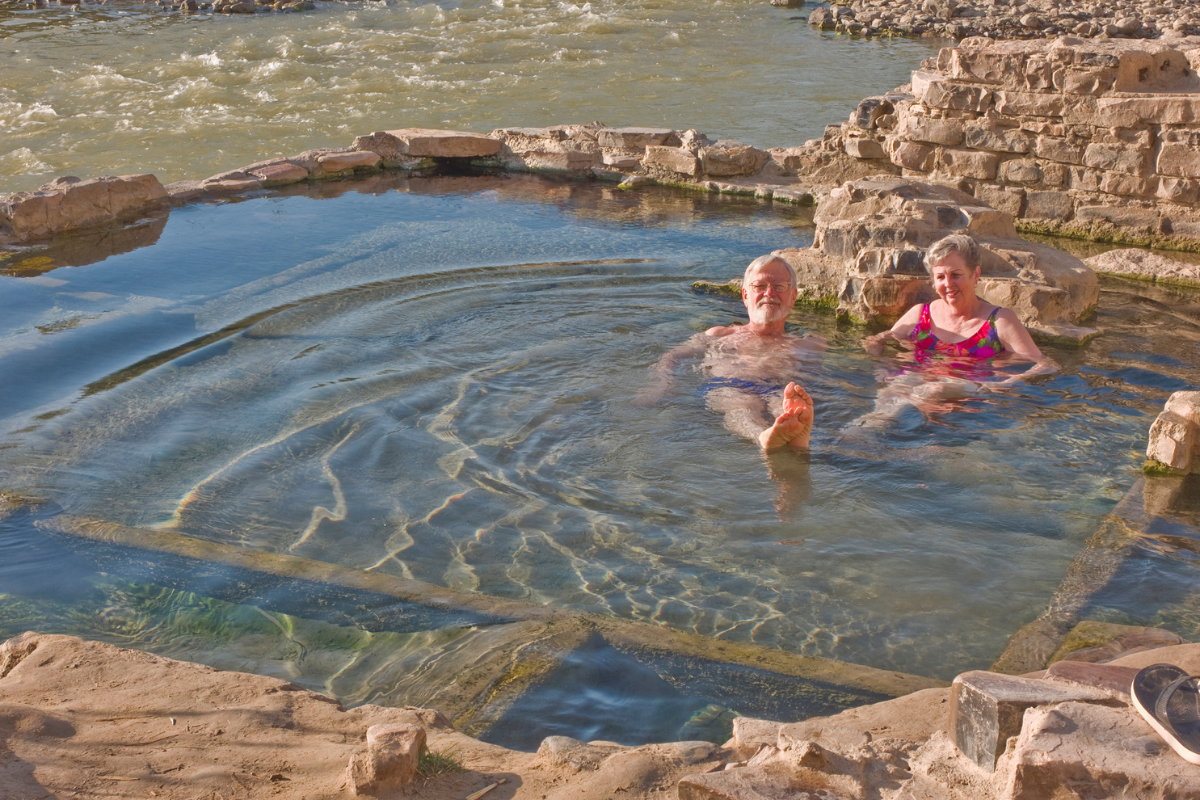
{"x": 954, "y": 243}
{"x": 762, "y": 261}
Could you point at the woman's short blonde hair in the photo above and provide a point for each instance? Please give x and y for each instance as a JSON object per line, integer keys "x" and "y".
{"x": 762, "y": 261}
{"x": 954, "y": 243}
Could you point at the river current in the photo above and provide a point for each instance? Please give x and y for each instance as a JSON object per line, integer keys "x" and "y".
{"x": 120, "y": 89}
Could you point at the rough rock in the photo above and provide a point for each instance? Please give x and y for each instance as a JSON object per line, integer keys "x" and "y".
{"x": 69, "y": 203}
{"x": 1145, "y": 265}
{"x": 344, "y": 162}
{"x": 869, "y": 247}
{"x": 278, "y": 173}
{"x": 1175, "y": 436}
{"x": 1106, "y": 752}
{"x": 390, "y": 760}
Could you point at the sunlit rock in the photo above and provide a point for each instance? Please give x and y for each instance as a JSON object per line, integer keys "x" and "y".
{"x": 869, "y": 248}
{"x": 1175, "y": 436}
{"x": 68, "y": 203}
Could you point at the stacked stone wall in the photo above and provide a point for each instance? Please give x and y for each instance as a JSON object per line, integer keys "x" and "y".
{"x": 1097, "y": 138}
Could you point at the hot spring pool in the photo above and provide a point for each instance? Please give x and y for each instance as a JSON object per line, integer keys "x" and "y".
{"x": 434, "y": 378}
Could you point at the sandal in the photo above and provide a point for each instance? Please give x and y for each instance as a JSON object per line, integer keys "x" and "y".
{"x": 1169, "y": 699}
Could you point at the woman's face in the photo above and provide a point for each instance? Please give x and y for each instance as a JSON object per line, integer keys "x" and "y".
{"x": 953, "y": 280}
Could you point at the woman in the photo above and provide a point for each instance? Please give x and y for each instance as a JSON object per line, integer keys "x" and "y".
{"x": 959, "y": 323}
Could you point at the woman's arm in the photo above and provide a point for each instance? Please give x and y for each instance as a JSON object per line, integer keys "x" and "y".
{"x": 900, "y": 332}
{"x": 1017, "y": 341}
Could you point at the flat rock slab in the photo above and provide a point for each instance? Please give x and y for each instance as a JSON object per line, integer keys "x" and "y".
{"x": 431, "y": 143}
{"x": 1145, "y": 265}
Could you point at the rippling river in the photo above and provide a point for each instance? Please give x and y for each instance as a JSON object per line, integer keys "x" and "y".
{"x": 119, "y": 89}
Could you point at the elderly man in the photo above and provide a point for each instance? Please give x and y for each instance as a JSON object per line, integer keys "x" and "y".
{"x": 751, "y": 365}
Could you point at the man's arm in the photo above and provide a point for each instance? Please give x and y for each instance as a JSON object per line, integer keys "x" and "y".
{"x": 664, "y": 370}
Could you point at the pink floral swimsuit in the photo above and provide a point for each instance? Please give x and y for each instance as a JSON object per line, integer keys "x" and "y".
{"x": 984, "y": 343}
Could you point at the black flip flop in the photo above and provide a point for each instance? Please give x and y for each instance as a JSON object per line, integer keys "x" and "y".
{"x": 1169, "y": 700}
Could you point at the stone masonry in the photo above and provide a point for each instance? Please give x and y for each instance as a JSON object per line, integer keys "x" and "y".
{"x": 1098, "y": 138}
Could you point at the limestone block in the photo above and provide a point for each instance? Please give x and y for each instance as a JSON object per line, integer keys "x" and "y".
{"x": 636, "y": 138}
{"x": 1057, "y": 206}
{"x": 1101, "y": 751}
{"x": 1138, "y": 263}
{"x": 726, "y": 158}
{"x": 1172, "y": 441}
{"x": 1126, "y": 112}
{"x": 982, "y": 135}
{"x": 1055, "y": 149}
{"x": 921, "y": 128}
{"x": 1178, "y": 190}
{"x": 1053, "y": 175}
{"x": 620, "y": 161}
{"x": 1095, "y": 81}
{"x": 1186, "y": 405}
{"x": 672, "y": 159}
{"x": 1029, "y": 104}
{"x": 1127, "y": 185}
{"x": 279, "y": 173}
{"x": 938, "y": 91}
{"x": 561, "y": 159}
{"x": 911, "y": 155}
{"x": 1117, "y": 157}
{"x": 1009, "y": 199}
{"x": 989, "y": 65}
{"x": 428, "y": 143}
{"x": 864, "y": 148}
{"x": 969, "y": 163}
{"x": 548, "y": 134}
{"x": 68, "y": 203}
{"x": 1021, "y": 170}
{"x": 390, "y": 760}
{"x": 341, "y": 162}
{"x": 1129, "y": 215}
{"x": 986, "y": 708}
{"x": 1179, "y": 160}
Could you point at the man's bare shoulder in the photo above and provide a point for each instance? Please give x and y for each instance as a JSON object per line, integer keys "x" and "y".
{"x": 718, "y": 331}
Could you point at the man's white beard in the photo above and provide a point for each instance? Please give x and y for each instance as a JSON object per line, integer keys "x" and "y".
{"x": 769, "y": 312}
